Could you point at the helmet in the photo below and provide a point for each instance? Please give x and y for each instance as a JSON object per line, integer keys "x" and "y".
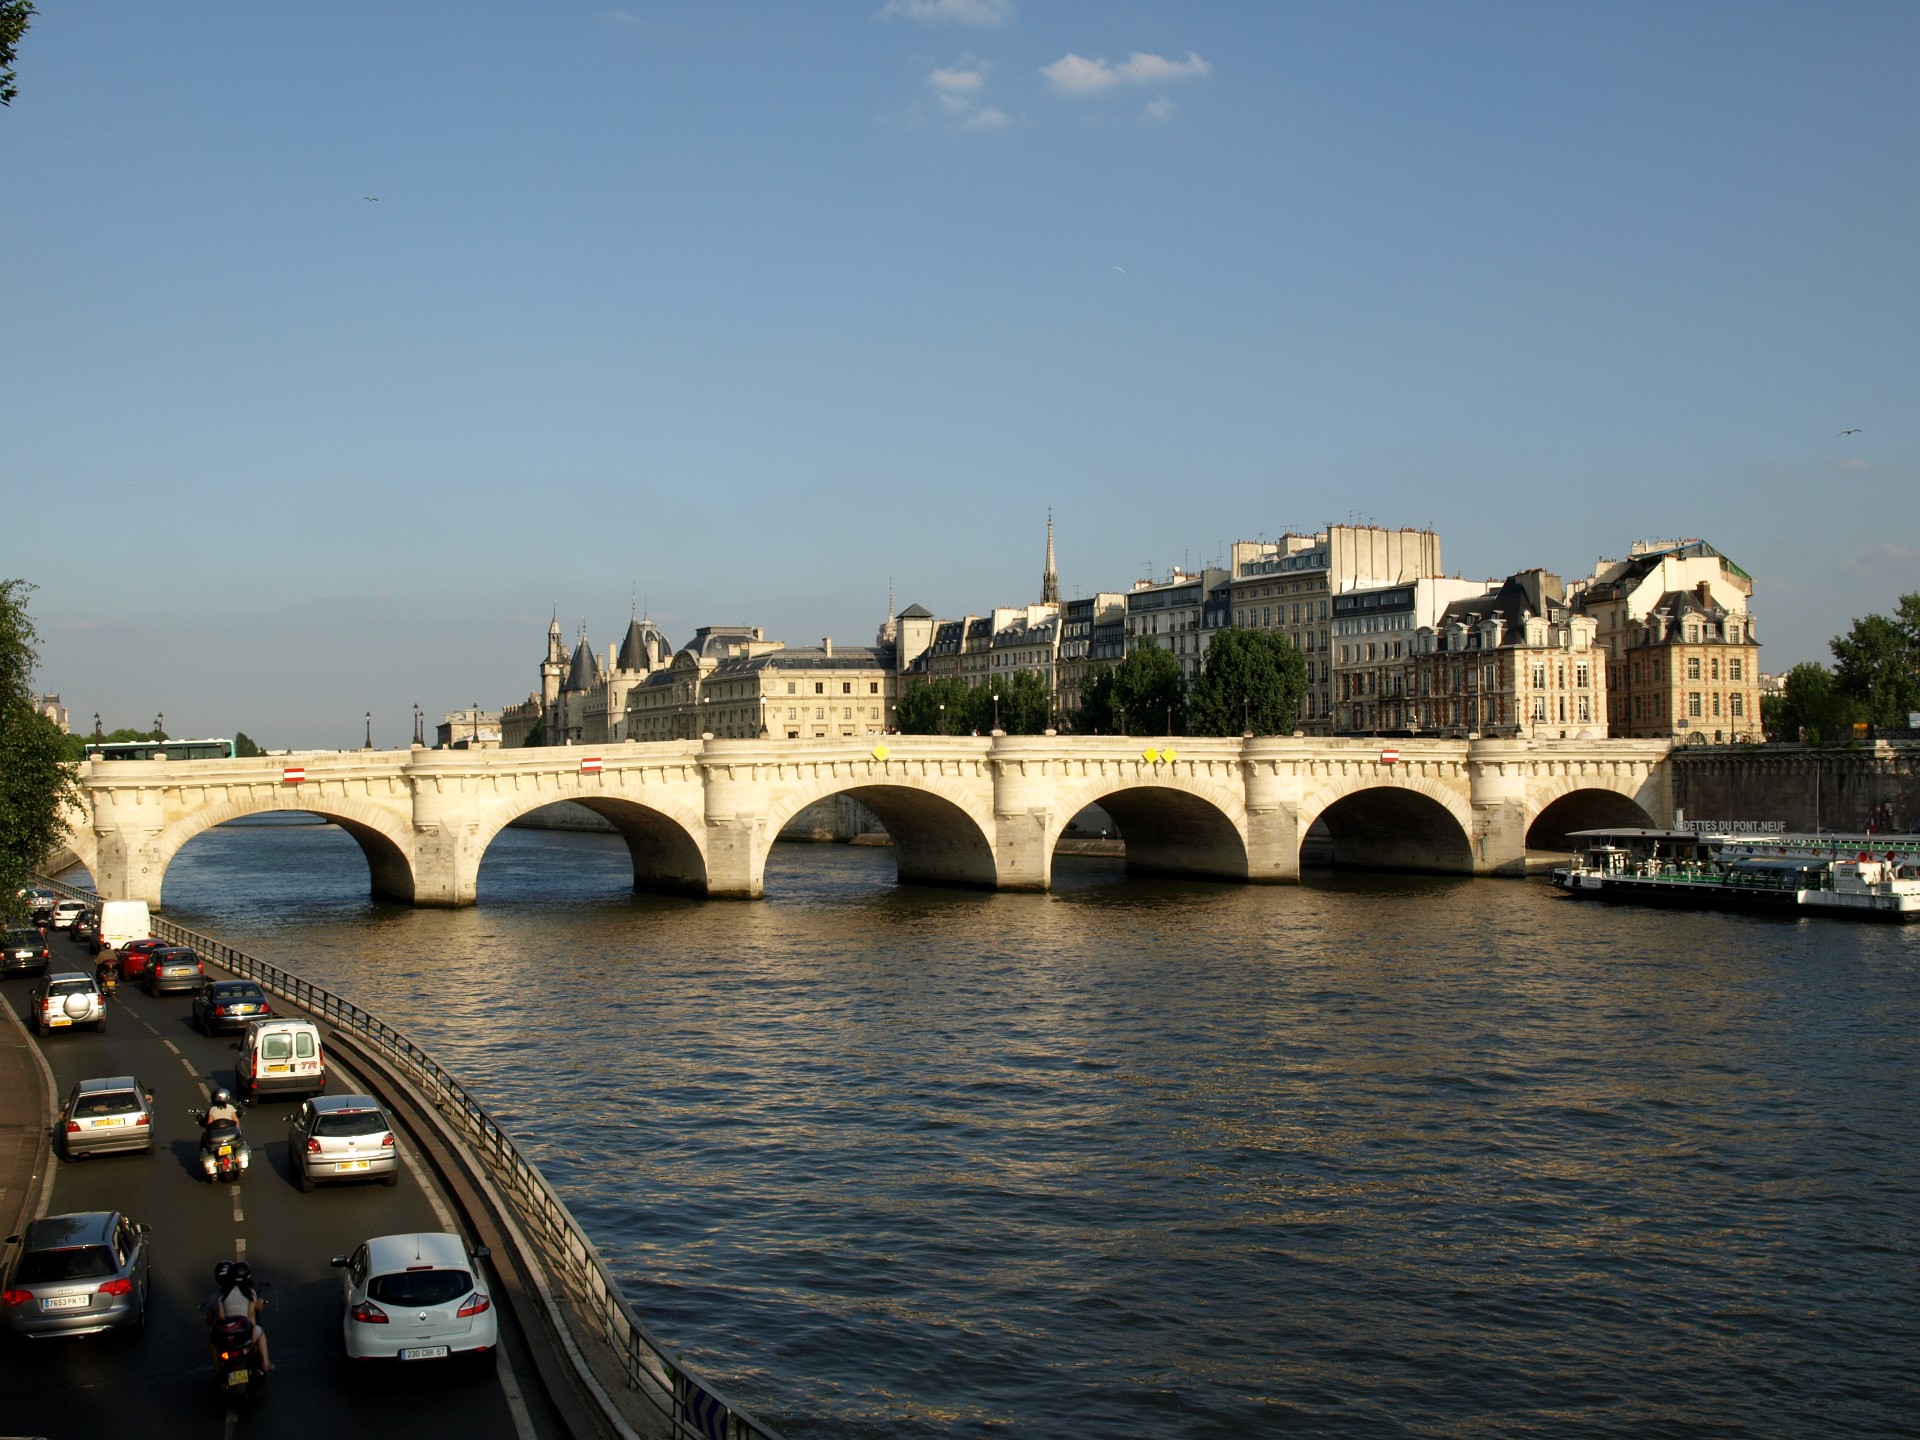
{"x": 222, "y": 1097}
{"x": 223, "y": 1274}
{"x": 241, "y": 1274}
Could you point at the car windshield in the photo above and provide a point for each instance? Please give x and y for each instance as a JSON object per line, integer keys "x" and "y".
{"x": 355, "y": 1122}
{"x": 80, "y": 1262}
{"x": 421, "y": 1287}
{"x": 70, "y": 987}
{"x": 107, "y": 1102}
{"x": 231, "y": 991}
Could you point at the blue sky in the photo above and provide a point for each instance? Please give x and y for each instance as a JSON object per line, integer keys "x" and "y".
{"x": 757, "y": 307}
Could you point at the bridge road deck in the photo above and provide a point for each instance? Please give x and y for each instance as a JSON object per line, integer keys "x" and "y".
{"x": 160, "y": 1384}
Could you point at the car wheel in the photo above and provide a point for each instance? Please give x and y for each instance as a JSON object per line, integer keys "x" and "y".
{"x": 390, "y": 1179}
{"x": 149, "y": 1150}
{"x": 100, "y": 1026}
{"x": 305, "y": 1180}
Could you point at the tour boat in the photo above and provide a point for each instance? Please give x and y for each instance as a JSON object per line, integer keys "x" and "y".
{"x": 1853, "y": 876}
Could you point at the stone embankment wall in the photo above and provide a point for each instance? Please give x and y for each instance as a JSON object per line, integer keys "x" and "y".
{"x": 1803, "y": 787}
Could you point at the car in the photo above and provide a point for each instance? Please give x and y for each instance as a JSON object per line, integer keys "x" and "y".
{"x": 133, "y": 957}
{"x": 342, "y": 1138}
{"x": 416, "y": 1297}
{"x": 85, "y": 926}
{"x": 173, "y": 969}
{"x": 64, "y": 1000}
{"x": 64, "y": 911}
{"x": 24, "y": 952}
{"x": 105, "y": 1115}
{"x": 229, "y": 1005}
{"x": 78, "y": 1274}
{"x": 39, "y": 902}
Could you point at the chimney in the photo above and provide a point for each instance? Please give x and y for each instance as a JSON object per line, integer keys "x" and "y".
{"x": 827, "y": 645}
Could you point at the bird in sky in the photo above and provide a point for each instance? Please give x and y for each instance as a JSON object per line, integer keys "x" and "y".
{"x": 373, "y": 199}
{"x": 1121, "y": 269}
{"x": 1854, "y": 431}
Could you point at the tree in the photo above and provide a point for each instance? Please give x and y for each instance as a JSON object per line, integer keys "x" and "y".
{"x": 244, "y": 746}
{"x": 14, "y": 15}
{"x": 37, "y": 785}
{"x": 939, "y": 707}
{"x": 1026, "y": 704}
{"x": 1252, "y": 679}
{"x": 1877, "y": 664}
{"x": 1811, "y": 706}
{"x": 1149, "y": 693}
{"x": 1096, "y": 714}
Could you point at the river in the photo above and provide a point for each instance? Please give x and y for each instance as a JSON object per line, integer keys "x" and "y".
{"x": 1368, "y": 1156}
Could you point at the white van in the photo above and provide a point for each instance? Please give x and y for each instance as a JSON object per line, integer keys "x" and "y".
{"x": 121, "y": 921}
{"x": 280, "y": 1057}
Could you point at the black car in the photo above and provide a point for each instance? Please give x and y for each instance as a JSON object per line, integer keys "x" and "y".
{"x": 85, "y": 926}
{"x": 24, "y": 952}
{"x": 174, "y": 967}
{"x": 229, "y": 1005}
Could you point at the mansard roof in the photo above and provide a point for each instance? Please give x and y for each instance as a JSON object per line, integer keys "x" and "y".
{"x": 844, "y": 657}
{"x": 915, "y": 612}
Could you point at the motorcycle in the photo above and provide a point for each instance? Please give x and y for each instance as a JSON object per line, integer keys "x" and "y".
{"x": 224, "y": 1152}
{"x": 109, "y": 974}
{"x": 236, "y": 1359}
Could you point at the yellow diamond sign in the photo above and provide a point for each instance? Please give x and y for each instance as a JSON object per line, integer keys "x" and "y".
{"x": 879, "y": 752}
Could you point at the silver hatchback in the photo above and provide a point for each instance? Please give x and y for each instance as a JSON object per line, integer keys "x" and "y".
{"x": 76, "y": 1275}
{"x": 105, "y": 1115}
{"x": 342, "y": 1137}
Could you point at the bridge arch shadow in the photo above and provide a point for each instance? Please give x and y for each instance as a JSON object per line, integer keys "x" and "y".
{"x": 388, "y": 854}
{"x": 1592, "y": 809}
{"x": 666, "y": 858}
{"x": 1167, "y": 832}
{"x": 935, "y": 841}
{"x": 1389, "y": 827}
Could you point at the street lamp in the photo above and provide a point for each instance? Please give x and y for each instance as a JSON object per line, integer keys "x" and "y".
{"x": 369, "y": 744}
{"x": 996, "y": 714}
{"x": 476, "y": 725}
{"x": 97, "y": 733}
{"x": 1246, "y": 716}
{"x": 418, "y": 738}
{"x": 160, "y": 726}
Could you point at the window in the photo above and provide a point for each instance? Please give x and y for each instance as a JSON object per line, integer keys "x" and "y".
{"x": 847, "y": 713}
{"x": 874, "y": 713}
{"x": 1716, "y": 704}
{"x": 1736, "y": 705}
{"x": 1714, "y": 666}
{"x": 792, "y": 714}
{"x": 1540, "y": 681}
{"x": 1693, "y": 667}
{"x": 819, "y": 688}
{"x": 819, "y": 713}
{"x": 791, "y": 687}
{"x": 846, "y": 687}
{"x": 1693, "y": 703}
{"x": 1582, "y": 678}
{"x": 1586, "y": 710}
{"x": 873, "y": 687}
{"x": 1540, "y": 707}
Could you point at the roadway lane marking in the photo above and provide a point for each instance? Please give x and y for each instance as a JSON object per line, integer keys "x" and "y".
{"x": 427, "y": 1188}
{"x": 239, "y": 1247}
{"x": 171, "y": 1046}
{"x": 510, "y": 1387}
{"x": 189, "y": 1064}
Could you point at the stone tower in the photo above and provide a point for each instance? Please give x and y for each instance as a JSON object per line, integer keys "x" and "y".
{"x": 554, "y": 668}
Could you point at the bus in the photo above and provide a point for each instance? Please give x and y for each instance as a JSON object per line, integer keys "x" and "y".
{"x": 162, "y": 750}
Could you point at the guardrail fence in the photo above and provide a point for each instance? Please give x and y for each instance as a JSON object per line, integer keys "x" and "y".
{"x": 694, "y": 1409}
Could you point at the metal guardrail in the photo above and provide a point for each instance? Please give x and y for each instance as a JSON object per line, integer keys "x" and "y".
{"x": 692, "y": 1407}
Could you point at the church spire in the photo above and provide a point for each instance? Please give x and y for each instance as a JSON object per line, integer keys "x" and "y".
{"x": 1050, "y": 581}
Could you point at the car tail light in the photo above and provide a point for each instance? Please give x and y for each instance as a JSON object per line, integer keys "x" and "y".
{"x": 73, "y": 1127}
{"x": 144, "y": 1119}
{"x": 368, "y": 1313}
{"x": 386, "y": 1141}
{"x": 477, "y": 1304}
{"x": 18, "y": 1297}
{"x": 313, "y": 1147}
{"x": 116, "y": 1287}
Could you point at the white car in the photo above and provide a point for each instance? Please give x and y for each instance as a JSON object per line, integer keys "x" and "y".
{"x": 64, "y": 912}
{"x": 416, "y": 1297}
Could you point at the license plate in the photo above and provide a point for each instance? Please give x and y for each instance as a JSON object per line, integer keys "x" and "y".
{"x": 111, "y": 1120}
{"x": 237, "y": 1377}
{"x": 57, "y": 1021}
{"x": 65, "y": 1302}
{"x": 424, "y": 1352}
{"x": 225, "y": 1150}
{"x": 276, "y": 1069}
{"x": 354, "y": 1165}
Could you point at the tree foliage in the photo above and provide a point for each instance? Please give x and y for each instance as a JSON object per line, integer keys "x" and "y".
{"x": 245, "y": 747}
{"x": 1149, "y": 695}
{"x": 950, "y": 706}
{"x": 14, "y": 15}
{"x": 1252, "y": 679}
{"x": 939, "y": 707}
{"x": 1877, "y": 664}
{"x": 37, "y": 783}
{"x": 1811, "y": 706}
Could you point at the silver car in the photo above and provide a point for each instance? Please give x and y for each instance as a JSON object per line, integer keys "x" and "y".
{"x": 105, "y": 1115}
{"x": 77, "y": 1275}
{"x": 66, "y": 1000}
{"x": 416, "y": 1297}
{"x": 342, "y": 1137}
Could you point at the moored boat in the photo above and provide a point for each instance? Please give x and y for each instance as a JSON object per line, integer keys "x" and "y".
{"x": 1850, "y": 876}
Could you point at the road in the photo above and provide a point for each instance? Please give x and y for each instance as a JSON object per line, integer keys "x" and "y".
{"x": 160, "y": 1384}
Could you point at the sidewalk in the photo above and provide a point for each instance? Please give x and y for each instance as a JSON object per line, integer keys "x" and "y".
{"x": 25, "y": 1110}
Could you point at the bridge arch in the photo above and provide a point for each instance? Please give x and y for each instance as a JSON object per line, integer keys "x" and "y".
{"x": 1173, "y": 821}
{"x": 668, "y": 856}
{"x": 938, "y": 838}
{"x": 1409, "y": 824}
{"x": 383, "y": 838}
{"x": 1582, "y": 807}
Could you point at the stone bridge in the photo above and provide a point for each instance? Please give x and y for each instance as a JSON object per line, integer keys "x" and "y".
{"x": 699, "y": 816}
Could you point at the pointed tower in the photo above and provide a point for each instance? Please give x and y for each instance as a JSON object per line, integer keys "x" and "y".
{"x": 1050, "y": 581}
{"x": 554, "y": 667}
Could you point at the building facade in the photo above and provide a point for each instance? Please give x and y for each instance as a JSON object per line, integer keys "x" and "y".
{"x": 734, "y": 683}
{"x": 1518, "y": 662}
{"x": 1372, "y": 640}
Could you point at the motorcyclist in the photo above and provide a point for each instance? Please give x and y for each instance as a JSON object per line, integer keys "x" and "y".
{"x": 107, "y": 971}
{"x": 222, "y": 1110}
{"x": 234, "y": 1297}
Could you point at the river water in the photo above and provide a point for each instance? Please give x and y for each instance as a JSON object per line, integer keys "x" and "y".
{"x": 1369, "y": 1156}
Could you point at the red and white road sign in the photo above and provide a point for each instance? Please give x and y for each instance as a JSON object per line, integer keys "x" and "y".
{"x": 1389, "y": 756}
{"x": 590, "y": 766}
{"x": 293, "y": 775}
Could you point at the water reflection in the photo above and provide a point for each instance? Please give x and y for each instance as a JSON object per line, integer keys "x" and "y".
{"x": 1365, "y": 1156}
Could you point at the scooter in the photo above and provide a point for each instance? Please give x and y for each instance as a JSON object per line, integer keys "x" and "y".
{"x": 236, "y": 1359}
{"x": 224, "y": 1152}
{"x": 109, "y": 973}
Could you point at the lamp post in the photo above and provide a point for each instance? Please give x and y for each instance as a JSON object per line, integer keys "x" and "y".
{"x": 160, "y": 726}
{"x": 1246, "y": 717}
{"x": 418, "y": 738}
{"x": 943, "y": 717}
{"x": 476, "y": 725}
{"x": 996, "y": 713}
{"x": 369, "y": 742}
{"x": 706, "y": 725}
{"x": 97, "y": 733}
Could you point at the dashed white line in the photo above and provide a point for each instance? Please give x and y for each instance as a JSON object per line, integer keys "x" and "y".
{"x": 510, "y": 1387}
{"x": 171, "y": 1046}
{"x": 239, "y": 1247}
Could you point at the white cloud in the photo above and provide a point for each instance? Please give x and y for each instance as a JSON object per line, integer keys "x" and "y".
{"x": 988, "y": 119}
{"x": 1076, "y": 75}
{"x": 620, "y": 17}
{"x": 951, "y": 81}
{"x": 958, "y": 12}
{"x": 1159, "y": 108}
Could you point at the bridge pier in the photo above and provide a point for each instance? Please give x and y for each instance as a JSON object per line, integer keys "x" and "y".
{"x": 1497, "y": 790}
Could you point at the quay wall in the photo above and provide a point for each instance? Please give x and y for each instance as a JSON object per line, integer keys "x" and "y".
{"x": 1803, "y": 787}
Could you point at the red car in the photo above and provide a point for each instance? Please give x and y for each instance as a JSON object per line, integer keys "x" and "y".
{"x": 133, "y": 957}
